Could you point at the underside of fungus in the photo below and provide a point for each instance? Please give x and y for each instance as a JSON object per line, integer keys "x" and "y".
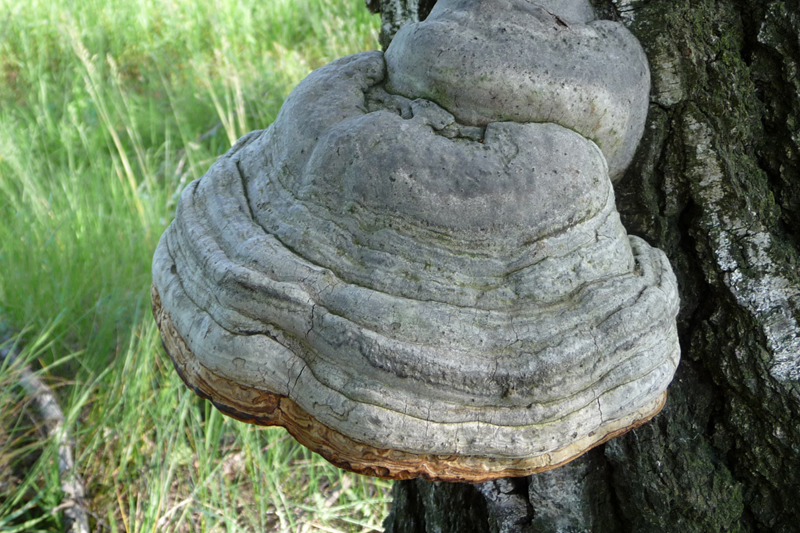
{"x": 418, "y": 269}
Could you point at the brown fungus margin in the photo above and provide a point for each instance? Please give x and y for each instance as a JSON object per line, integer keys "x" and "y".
{"x": 266, "y": 408}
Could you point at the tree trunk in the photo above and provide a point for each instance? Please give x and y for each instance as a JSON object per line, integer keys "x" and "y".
{"x": 715, "y": 185}
{"x": 395, "y": 13}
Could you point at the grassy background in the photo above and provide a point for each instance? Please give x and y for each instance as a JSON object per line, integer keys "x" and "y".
{"x": 108, "y": 108}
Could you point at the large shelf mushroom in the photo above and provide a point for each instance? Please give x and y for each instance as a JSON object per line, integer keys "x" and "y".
{"x": 419, "y": 269}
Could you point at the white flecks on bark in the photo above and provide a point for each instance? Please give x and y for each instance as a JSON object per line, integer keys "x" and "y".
{"x": 760, "y": 288}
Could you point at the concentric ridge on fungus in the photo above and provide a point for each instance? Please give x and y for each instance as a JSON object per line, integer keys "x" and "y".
{"x": 415, "y": 285}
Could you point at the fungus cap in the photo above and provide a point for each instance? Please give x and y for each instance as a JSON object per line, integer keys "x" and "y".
{"x": 411, "y": 293}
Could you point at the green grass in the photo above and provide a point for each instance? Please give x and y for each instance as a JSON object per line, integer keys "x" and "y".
{"x": 107, "y": 110}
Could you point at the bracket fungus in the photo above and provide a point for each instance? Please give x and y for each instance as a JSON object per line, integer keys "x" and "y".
{"x": 418, "y": 269}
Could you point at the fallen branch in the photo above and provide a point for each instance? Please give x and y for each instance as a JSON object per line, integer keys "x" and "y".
{"x": 49, "y": 413}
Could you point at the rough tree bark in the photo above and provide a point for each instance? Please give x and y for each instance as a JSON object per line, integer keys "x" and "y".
{"x": 715, "y": 184}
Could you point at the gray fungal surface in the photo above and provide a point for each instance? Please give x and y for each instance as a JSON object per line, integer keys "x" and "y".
{"x": 515, "y": 60}
{"x": 424, "y": 273}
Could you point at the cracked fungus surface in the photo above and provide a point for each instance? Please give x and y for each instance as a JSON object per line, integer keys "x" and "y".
{"x": 406, "y": 290}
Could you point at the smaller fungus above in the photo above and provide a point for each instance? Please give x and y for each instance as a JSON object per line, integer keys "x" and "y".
{"x": 418, "y": 269}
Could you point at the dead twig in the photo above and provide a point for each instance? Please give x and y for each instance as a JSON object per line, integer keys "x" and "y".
{"x": 49, "y": 413}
